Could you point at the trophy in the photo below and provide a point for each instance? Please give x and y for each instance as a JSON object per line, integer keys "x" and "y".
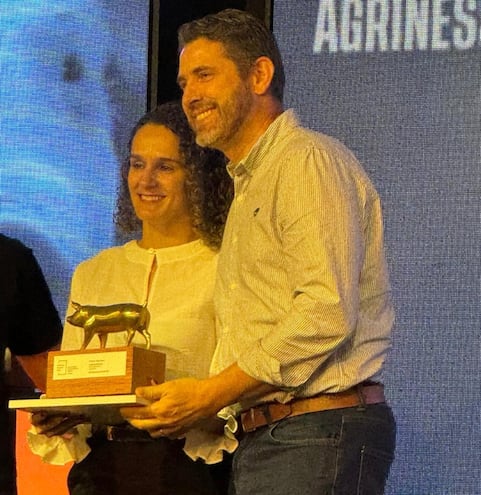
{"x": 86, "y": 380}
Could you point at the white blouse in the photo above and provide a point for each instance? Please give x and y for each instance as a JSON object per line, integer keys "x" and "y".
{"x": 182, "y": 325}
{"x": 182, "y": 321}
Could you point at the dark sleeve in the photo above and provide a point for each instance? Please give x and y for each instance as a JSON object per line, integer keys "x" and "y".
{"x": 31, "y": 319}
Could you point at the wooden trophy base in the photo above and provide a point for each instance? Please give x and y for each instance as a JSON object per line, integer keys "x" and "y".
{"x": 109, "y": 371}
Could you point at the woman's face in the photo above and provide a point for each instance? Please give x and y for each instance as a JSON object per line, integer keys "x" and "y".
{"x": 156, "y": 179}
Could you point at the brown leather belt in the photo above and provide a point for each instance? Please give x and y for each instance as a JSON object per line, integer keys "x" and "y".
{"x": 266, "y": 414}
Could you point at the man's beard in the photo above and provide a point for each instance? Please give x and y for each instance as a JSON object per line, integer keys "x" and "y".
{"x": 231, "y": 116}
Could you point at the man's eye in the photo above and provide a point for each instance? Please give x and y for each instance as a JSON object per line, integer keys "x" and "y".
{"x": 204, "y": 74}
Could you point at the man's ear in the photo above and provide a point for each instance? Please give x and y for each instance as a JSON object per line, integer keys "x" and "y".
{"x": 261, "y": 75}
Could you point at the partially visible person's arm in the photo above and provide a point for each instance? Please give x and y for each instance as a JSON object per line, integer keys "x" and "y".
{"x": 34, "y": 325}
{"x": 35, "y": 366}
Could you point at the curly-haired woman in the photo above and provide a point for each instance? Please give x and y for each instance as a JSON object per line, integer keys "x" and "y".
{"x": 176, "y": 195}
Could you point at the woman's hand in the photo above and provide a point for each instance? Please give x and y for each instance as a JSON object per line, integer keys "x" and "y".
{"x": 56, "y": 424}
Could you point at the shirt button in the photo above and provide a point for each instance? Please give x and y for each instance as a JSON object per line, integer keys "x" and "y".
{"x": 240, "y": 197}
{"x": 233, "y": 286}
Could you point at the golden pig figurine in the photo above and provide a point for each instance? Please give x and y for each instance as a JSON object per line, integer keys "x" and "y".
{"x": 102, "y": 320}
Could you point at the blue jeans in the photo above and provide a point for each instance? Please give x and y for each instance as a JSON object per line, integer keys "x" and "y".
{"x": 338, "y": 452}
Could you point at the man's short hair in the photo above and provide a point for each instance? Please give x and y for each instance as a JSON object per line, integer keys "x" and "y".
{"x": 245, "y": 39}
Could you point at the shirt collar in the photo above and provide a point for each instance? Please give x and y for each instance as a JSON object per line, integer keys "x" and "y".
{"x": 167, "y": 254}
{"x": 253, "y": 159}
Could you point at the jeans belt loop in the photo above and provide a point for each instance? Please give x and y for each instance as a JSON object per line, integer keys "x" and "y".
{"x": 360, "y": 394}
{"x": 266, "y": 412}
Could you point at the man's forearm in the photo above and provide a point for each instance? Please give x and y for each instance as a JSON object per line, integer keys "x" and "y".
{"x": 233, "y": 385}
{"x": 178, "y": 405}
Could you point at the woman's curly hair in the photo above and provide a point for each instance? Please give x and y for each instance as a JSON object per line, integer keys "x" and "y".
{"x": 208, "y": 186}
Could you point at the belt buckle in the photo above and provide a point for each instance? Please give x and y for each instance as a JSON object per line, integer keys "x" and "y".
{"x": 115, "y": 433}
{"x": 256, "y": 417}
{"x": 262, "y": 415}
{"x": 110, "y": 433}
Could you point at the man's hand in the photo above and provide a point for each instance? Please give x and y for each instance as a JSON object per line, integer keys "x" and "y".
{"x": 177, "y": 406}
{"x": 180, "y": 405}
{"x": 56, "y": 424}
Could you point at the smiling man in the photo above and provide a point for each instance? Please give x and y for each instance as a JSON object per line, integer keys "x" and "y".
{"x": 302, "y": 293}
